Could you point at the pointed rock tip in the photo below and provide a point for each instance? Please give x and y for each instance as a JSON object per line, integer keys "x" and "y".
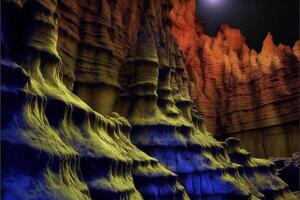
{"x": 297, "y": 45}
{"x": 268, "y": 38}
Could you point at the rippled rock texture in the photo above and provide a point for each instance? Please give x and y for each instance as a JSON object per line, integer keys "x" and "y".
{"x": 250, "y": 95}
{"x": 54, "y": 145}
{"x": 259, "y": 172}
{"x": 96, "y": 105}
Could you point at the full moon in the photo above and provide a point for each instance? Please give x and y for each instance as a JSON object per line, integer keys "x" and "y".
{"x": 213, "y": 1}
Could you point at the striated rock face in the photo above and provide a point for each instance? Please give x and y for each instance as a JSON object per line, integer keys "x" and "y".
{"x": 260, "y": 172}
{"x": 156, "y": 101}
{"x": 54, "y": 145}
{"x": 253, "y": 96}
{"x": 96, "y": 105}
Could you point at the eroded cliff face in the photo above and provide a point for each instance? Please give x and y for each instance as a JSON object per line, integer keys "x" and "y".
{"x": 96, "y": 105}
{"x": 55, "y": 146}
{"x": 240, "y": 92}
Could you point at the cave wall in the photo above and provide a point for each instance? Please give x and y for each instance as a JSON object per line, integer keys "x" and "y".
{"x": 240, "y": 92}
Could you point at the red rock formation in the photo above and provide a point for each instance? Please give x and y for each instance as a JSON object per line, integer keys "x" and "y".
{"x": 253, "y": 96}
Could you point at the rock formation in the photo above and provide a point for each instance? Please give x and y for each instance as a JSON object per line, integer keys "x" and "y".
{"x": 93, "y": 110}
{"x": 260, "y": 172}
{"x": 51, "y": 129}
{"x": 241, "y": 93}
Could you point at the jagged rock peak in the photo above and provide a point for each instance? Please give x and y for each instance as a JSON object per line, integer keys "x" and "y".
{"x": 233, "y": 85}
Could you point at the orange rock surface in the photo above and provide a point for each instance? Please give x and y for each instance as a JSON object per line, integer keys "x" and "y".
{"x": 251, "y": 95}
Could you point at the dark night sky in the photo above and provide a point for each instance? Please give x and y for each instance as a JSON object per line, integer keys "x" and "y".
{"x": 255, "y": 18}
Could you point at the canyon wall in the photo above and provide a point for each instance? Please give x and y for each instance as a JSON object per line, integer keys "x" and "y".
{"x": 240, "y": 92}
{"x": 54, "y": 145}
{"x": 96, "y": 105}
